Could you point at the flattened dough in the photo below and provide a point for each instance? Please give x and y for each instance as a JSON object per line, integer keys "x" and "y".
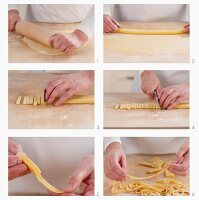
{"x": 147, "y": 44}
{"x": 43, "y": 49}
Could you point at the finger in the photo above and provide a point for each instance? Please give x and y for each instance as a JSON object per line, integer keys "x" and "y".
{"x": 180, "y": 167}
{"x": 108, "y": 26}
{"x": 55, "y": 38}
{"x": 17, "y": 171}
{"x": 13, "y": 160}
{"x": 66, "y": 96}
{"x": 51, "y": 86}
{"x": 13, "y": 147}
{"x": 165, "y": 93}
{"x": 175, "y": 103}
{"x": 63, "y": 46}
{"x": 116, "y": 23}
{"x": 112, "y": 25}
{"x": 69, "y": 49}
{"x": 182, "y": 151}
{"x": 108, "y": 29}
{"x": 89, "y": 193}
{"x": 57, "y": 90}
{"x": 123, "y": 162}
{"x": 170, "y": 99}
{"x": 117, "y": 168}
{"x": 180, "y": 173}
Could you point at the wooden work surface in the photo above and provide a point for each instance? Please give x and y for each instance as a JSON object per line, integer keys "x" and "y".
{"x": 148, "y": 48}
{"x": 140, "y": 171}
{"x": 43, "y": 116}
{"x": 19, "y": 52}
{"x": 140, "y": 118}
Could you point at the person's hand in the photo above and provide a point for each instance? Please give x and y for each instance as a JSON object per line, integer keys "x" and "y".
{"x": 171, "y": 96}
{"x": 68, "y": 42}
{"x": 68, "y": 85}
{"x": 187, "y": 28}
{"x": 15, "y": 166}
{"x": 13, "y": 18}
{"x": 110, "y": 25}
{"x": 81, "y": 181}
{"x": 149, "y": 83}
{"x": 115, "y": 162}
{"x": 181, "y": 164}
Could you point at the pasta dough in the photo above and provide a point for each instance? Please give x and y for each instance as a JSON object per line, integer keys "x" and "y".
{"x": 147, "y": 44}
{"x": 43, "y": 49}
{"x": 151, "y": 32}
{"x": 147, "y": 106}
{"x": 39, "y": 100}
{"x": 37, "y": 172}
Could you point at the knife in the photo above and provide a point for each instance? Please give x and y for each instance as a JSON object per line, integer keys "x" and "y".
{"x": 156, "y": 98}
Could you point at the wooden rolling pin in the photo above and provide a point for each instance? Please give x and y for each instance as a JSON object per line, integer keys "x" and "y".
{"x": 34, "y": 32}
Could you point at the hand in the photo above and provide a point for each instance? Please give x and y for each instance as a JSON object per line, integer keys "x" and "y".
{"x": 150, "y": 83}
{"x": 82, "y": 178}
{"x": 15, "y": 166}
{"x": 110, "y": 25}
{"x": 68, "y": 42}
{"x": 187, "y": 28}
{"x": 13, "y": 18}
{"x": 115, "y": 162}
{"x": 68, "y": 85}
{"x": 181, "y": 164}
{"x": 171, "y": 96}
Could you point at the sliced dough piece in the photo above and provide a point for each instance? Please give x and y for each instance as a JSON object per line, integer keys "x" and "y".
{"x": 18, "y": 102}
{"x": 151, "y": 32}
{"x": 37, "y": 172}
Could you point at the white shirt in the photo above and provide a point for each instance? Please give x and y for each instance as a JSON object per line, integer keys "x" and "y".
{"x": 148, "y": 12}
{"x": 59, "y": 13}
{"x": 166, "y": 77}
{"x": 148, "y": 145}
{"x": 56, "y": 157}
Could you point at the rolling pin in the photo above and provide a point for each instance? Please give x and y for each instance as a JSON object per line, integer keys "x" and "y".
{"x": 34, "y": 32}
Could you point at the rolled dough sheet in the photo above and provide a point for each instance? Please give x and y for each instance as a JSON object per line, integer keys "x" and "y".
{"x": 147, "y": 44}
{"x": 43, "y": 49}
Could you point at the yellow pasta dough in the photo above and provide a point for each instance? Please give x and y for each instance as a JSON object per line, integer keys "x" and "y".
{"x": 39, "y": 100}
{"x": 37, "y": 172}
{"x": 147, "y": 106}
{"x": 151, "y": 32}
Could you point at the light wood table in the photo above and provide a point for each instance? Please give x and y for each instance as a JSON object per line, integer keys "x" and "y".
{"x": 19, "y": 52}
{"x": 43, "y": 116}
{"x": 148, "y": 48}
{"x": 136, "y": 170}
{"x": 141, "y": 118}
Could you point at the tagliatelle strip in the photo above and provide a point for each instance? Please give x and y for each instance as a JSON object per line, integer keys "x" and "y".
{"x": 37, "y": 172}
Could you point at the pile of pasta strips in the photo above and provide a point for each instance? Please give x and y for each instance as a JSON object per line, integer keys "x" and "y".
{"x": 165, "y": 187}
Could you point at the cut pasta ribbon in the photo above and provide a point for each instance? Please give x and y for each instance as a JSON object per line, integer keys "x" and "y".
{"x": 133, "y": 106}
{"x": 151, "y": 32}
{"x": 37, "y": 172}
{"x": 39, "y": 100}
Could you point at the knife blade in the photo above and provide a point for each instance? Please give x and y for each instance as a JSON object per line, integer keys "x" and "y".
{"x": 156, "y": 98}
